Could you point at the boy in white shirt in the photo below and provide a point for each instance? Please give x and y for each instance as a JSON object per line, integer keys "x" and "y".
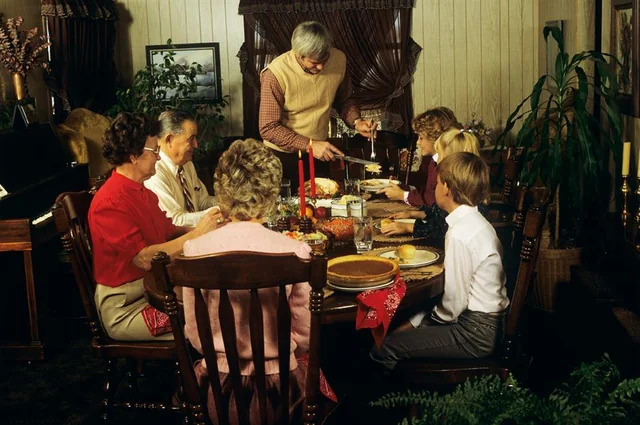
{"x": 468, "y": 320}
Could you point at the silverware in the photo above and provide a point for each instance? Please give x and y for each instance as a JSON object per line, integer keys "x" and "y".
{"x": 354, "y": 159}
{"x": 372, "y": 140}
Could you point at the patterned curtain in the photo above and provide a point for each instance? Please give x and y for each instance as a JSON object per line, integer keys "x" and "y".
{"x": 83, "y": 72}
{"x": 381, "y": 56}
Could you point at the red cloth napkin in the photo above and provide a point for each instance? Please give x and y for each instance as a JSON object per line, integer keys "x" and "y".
{"x": 157, "y": 322}
{"x": 376, "y": 308}
{"x": 325, "y": 388}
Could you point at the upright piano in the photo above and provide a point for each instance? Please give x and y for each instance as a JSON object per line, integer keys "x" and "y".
{"x": 34, "y": 169}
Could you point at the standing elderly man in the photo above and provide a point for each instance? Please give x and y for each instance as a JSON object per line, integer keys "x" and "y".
{"x": 181, "y": 194}
{"x": 298, "y": 89}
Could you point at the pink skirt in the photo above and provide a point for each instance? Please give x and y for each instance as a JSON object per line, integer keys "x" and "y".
{"x": 297, "y": 381}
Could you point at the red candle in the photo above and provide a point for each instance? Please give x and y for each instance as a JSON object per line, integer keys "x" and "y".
{"x": 312, "y": 170}
{"x": 301, "y": 179}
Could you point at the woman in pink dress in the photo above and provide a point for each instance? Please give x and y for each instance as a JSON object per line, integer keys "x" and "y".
{"x": 247, "y": 185}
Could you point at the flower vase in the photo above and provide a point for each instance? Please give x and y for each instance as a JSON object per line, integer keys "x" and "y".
{"x": 19, "y": 85}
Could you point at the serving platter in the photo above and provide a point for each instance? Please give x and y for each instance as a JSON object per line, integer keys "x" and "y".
{"x": 358, "y": 289}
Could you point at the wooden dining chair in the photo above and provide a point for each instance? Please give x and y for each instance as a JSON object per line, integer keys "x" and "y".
{"x": 444, "y": 372}
{"x": 241, "y": 271}
{"x": 503, "y": 205}
{"x": 70, "y": 214}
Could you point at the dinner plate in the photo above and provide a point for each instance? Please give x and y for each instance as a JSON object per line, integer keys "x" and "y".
{"x": 423, "y": 257}
{"x": 397, "y": 220}
{"x": 359, "y": 289}
{"x": 373, "y": 185}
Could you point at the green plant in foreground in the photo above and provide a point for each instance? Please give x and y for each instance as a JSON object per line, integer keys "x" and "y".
{"x": 593, "y": 394}
{"x": 171, "y": 85}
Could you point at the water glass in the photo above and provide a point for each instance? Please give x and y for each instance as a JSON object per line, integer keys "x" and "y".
{"x": 271, "y": 222}
{"x": 363, "y": 234}
{"x": 285, "y": 190}
{"x": 352, "y": 187}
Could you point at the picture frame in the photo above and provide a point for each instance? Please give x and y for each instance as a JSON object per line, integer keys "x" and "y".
{"x": 625, "y": 38}
{"x": 209, "y": 83}
{"x": 552, "y": 51}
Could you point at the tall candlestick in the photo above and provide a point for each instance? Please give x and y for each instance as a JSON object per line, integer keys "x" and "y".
{"x": 312, "y": 170}
{"x": 303, "y": 204}
{"x": 638, "y": 158}
{"x": 626, "y": 158}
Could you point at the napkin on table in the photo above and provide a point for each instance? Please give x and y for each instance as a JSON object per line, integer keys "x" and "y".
{"x": 376, "y": 308}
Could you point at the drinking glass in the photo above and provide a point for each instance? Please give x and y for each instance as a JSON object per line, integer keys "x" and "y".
{"x": 352, "y": 187}
{"x": 363, "y": 234}
{"x": 271, "y": 222}
{"x": 285, "y": 190}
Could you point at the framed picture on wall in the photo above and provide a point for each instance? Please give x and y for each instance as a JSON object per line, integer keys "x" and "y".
{"x": 625, "y": 33}
{"x": 208, "y": 81}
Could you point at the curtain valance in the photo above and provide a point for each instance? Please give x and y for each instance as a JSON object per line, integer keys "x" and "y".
{"x": 247, "y": 7}
{"x": 92, "y": 9}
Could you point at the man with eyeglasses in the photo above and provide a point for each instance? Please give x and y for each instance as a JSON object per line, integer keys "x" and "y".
{"x": 181, "y": 194}
{"x": 298, "y": 90}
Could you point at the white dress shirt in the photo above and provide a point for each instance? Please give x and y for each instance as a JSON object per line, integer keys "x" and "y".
{"x": 166, "y": 184}
{"x": 474, "y": 278}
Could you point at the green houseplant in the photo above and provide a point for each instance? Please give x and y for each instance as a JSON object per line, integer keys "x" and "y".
{"x": 593, "y": 394}
{"x": 564, "y": 142}
{"x": 170, "y": 85}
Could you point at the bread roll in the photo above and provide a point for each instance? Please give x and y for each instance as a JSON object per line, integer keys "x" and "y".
{"x": 385, "y": 222}
{"x": 406, "y": 252}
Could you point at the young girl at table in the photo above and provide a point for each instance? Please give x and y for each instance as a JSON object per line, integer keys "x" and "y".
{"x": 429, "y": 126}
{"x": 430, "y": 219}
{"x": 468, "y": 320}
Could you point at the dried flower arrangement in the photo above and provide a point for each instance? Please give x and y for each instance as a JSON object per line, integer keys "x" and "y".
{"x": 481, "y": 131}
{"x": 20, "y": 50}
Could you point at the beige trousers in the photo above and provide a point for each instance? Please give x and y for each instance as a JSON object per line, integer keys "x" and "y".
{"x": 120, "y": 311}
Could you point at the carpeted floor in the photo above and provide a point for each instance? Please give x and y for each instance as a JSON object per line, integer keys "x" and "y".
{"x": 66, "y": 389}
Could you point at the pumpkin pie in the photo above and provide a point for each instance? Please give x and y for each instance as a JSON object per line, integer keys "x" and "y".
{"x": 356, "y": 271}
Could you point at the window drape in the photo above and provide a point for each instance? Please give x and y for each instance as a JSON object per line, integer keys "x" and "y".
{"x": 381, "y": 56}
{"x": 82, "y": 35}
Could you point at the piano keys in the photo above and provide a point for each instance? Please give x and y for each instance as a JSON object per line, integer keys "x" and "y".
{"x": 34, "y": 169}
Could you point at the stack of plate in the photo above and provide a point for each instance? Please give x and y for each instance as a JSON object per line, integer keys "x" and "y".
{"x": 357, "y": 273}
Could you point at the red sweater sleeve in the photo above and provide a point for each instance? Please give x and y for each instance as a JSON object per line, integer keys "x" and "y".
{"x": 427, "y": 194}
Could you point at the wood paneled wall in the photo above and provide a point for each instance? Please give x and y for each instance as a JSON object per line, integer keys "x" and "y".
{"x": 30, "y": 11}
{"x": 148, "y": 22}
{"x": 478, "y": 56}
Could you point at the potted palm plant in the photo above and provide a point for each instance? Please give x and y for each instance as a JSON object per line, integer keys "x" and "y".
{"x": 565, "y": 146}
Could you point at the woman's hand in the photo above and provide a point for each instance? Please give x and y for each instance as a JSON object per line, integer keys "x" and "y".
{"x": 210, "y": 221}
{"x": 396, "y": 228}
{"x": 393, "y": 192}
{"x": 409, "y": 214}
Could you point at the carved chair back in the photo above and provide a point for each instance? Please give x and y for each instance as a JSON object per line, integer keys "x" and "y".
{"x": 242, "y": 271}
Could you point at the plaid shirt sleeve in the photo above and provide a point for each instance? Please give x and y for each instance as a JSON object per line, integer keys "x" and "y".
{"x": 344, "y": 102}
{"x": 270, "y": 116}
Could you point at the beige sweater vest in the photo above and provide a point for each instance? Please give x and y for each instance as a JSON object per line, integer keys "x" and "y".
{"x": 308, "y": 97}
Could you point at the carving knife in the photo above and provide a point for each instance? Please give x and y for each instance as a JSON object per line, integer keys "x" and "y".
{"x": 354, "y": 159}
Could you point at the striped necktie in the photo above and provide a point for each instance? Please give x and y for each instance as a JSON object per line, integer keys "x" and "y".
{"x": 188, "y": 203}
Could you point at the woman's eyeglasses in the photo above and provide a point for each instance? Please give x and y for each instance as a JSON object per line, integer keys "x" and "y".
{"x": 155, "y": 150}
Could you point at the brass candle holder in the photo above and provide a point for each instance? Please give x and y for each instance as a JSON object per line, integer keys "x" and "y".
{"x": 625, "y": 191}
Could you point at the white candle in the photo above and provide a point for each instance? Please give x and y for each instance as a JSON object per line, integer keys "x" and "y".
{"x": 626, "y": 158}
